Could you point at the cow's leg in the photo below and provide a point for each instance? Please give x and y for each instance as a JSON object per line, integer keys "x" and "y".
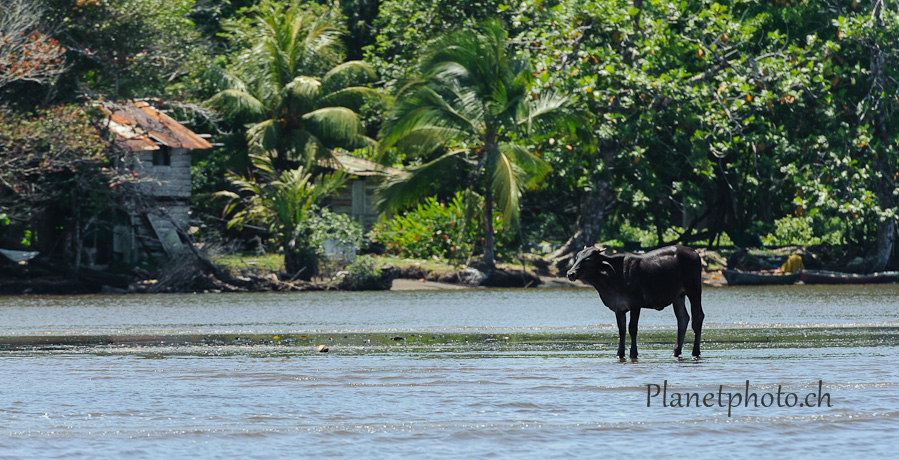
{"x": 622, "y": 330}
{"x": 680, "y": 312}
{"x": 698, "y": 316}
{"x": 635, "y": 318}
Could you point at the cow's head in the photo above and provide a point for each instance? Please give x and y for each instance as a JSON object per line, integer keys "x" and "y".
{"x": 588, "y": 263}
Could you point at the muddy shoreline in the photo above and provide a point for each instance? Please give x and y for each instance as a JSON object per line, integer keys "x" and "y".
{"x": 202, "y": 276}
{"x": 193, "y": 279}
{"x": 408, "y": 279}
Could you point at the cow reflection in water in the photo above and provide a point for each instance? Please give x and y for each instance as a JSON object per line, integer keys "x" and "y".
{"x": 630, "y": 282}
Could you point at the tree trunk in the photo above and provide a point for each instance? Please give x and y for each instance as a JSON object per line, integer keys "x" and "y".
{"x": 593, "y": 214}
{"x": 879, "y": 255}
{"x": 78, "y": 243}
{"x": 882, "y": 248}
{"x": 300, "y": 260}
{"x": 490, "y": 146}
{"x": 489, "y": 254}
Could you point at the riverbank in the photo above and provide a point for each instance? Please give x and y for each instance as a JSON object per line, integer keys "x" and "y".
{"x": 237, "y": 273}
{"x": 406, "y": 284}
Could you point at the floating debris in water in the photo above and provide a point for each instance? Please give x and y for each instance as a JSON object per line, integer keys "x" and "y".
{"x": 242, "y": 341}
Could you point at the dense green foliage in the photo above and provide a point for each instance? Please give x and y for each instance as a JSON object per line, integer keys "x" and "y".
{"x": 751, "y": 121}
{"x": 282, "y": 201}
{"x": 53, "y": 162}
{"x": 446, "y": 229}
{"x": 128, "y": 48}
{"x": 291, "y": 89}
{"x": 365, "y": 274}
{"x": 472, "y": 103}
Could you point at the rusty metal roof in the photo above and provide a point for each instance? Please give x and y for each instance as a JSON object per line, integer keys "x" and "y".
{"x": 357, "y": 166}
{"x": 139, "y": 126}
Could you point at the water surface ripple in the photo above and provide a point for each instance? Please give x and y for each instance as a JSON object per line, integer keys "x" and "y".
{"x": 455, "y": 374}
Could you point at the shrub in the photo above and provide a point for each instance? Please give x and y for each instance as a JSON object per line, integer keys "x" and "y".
{"x": 344, "y": 234}
{"x": 438, "y": 229}
{"x": 627, "y": 234}
{"x": 365, "y": 274}
{"x": 804, "y": 231}
{"x": 327, "y": 225}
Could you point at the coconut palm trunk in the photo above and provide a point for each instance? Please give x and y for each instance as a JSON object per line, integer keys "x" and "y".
{"x": 489, "y": 263}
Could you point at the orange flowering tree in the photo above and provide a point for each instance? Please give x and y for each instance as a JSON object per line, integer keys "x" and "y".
{"x": 53, "y": 163}
{"x": 27, "y": 53}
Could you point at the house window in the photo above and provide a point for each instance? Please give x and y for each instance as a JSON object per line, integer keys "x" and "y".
{"x": 163, "y": 156}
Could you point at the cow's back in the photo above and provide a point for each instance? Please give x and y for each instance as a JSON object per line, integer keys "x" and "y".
{"x": 664, "y": 274}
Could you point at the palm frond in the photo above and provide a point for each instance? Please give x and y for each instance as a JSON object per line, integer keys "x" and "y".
{"x": 223, "y": 79}
{"x": 347, "y": 74}
{"x": 554, "y": 108}
{"x": 243, "y": 184}
{"x": 283, "y": 203}
{"x": 302, "y": 146}
{"x": 405, "y": 189}
{"x": 426, "y": 111}
{"x": 265, "y": 136}
{"x": 427, "y": 138}
{"x": 322, "y": 45}
{"x": 225, "y": 194}
{"x": 249, "y": 207}
{"x": 264, "y": 166}
{"x": 278, "y": 62}
{"x": 475, "y": 58}
{"x": 302, "y": 94}
{"x": 450, "y": 72}
{"x": 339, "y": 124}
{"x": 506, "y": 185}
{"x": 457, "y": 55}
{"x": 238, "y": 104}
{"x": 291, "y": 196}
{"x": 351, "y": 97}
{"x": 534, "y": 169}
{"x": 329, "y": 183}
{"x": 454, "y": 105}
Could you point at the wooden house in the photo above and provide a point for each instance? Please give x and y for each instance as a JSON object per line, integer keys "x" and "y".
{"x": 157, "y": 150}
{"x": 357, "y": 198}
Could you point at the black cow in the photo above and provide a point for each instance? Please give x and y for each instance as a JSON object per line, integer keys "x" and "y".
{"x": 630, "y": 282}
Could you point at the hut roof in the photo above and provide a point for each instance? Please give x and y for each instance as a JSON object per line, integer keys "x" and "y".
{"x": 140, "y": 126}
{"x": 357, "y": 166}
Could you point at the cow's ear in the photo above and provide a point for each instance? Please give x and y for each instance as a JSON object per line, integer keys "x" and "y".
{"x": 606, "y": 269}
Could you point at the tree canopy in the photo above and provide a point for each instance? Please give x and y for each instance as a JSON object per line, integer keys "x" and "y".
{"x": 292, "y": 89}
{"x": 473, "y": 103}
{"x": 703, "y": 122}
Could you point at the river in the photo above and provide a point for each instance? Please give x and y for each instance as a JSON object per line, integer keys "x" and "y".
{"x": 447, "y": 374}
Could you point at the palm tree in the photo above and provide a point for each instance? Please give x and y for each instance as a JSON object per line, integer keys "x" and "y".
{"x": 282, "y": 202}
{"x": 295, "y": 108}
{"x": 474, "y": 104}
